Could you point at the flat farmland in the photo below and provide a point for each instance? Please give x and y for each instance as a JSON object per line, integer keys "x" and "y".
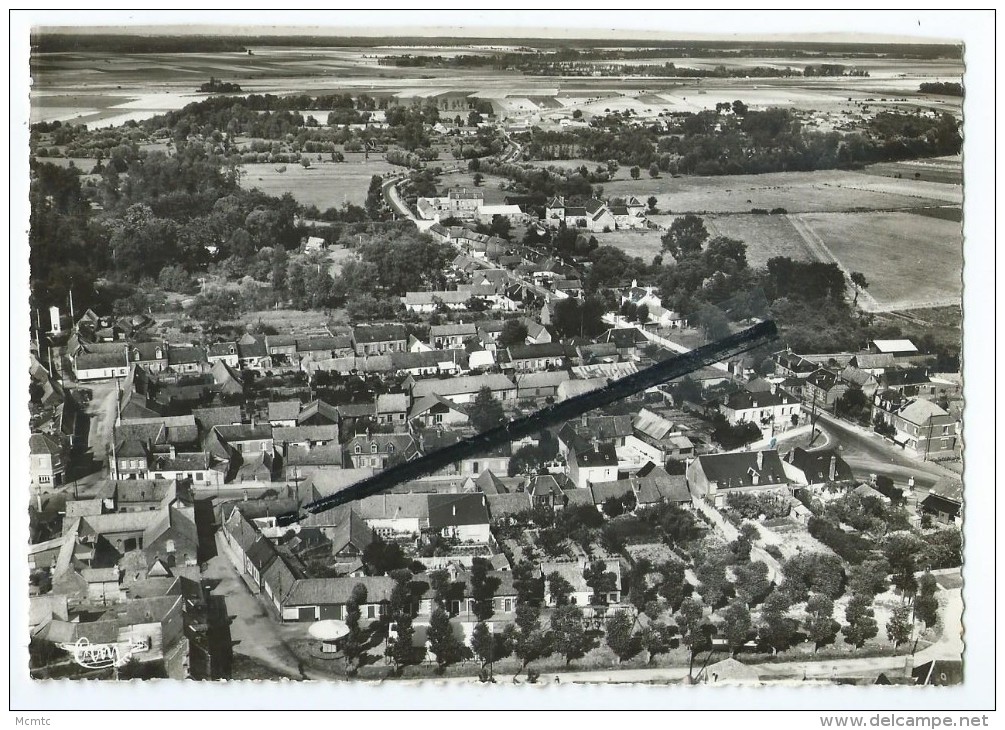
{"x": 324, "y": 184}
{"x": 797, "y": 192}
{"x": 909, "y": 260}
{"x": 766, "y": 236}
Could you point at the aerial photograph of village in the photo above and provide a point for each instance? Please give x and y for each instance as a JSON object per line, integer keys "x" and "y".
{"x": 266, "y": 268}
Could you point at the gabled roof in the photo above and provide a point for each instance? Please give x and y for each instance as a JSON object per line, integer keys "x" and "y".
{"x": 920, "y": 411}
{"x": 392, "y": 402}
{"x": 428, "y": 402}
{"x": 320, "y": 409}
{"x": 294, "y": 434}
{"x": 43, "y": 443}
{"x": 284, "y": 410}
{"x": 453, "y": 330}
{"x": 737, "y": 469}
{"x": 336, "y": 591}
{"x": 463, "y": 384}
{"x": 185, "y": 354}
{"x": 244, "y": 432}
{"x": 743, "y": 400}
{"x": 652, "y": 424}
{"x": 816, "y": 465}
{"x": 543, "y": 349}
{"x": 379, "y": 333}
{"x": 457, "y": 509}
{"x": 327, "y": 455}
{"x": 823, "y": 379}
{"x": 870, "y": 360}
{"x": 217, "y": 416}
{"x": 618, "y": 489}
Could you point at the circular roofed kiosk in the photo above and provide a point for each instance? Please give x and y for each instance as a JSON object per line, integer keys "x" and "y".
{"x": 331, "y": 634}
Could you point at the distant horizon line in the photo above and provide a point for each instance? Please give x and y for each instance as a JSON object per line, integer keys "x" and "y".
{"x": 475, "y": 33}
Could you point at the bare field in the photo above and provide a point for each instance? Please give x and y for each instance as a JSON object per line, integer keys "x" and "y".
{"x": 489, "y": 186}
{"x": 948, "y": 170}
{"x": 324, "y": 184}
{"x": 909, "y": 260}
{"x": 766, "y": 236}
{"x": 797, "y": 192}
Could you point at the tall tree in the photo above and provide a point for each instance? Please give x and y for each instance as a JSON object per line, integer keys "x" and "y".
{"x": 352, "y": 649}
{"x": 568, "y": 634}
{"x": 899, "y": 627}
{"x": 486, "y": 412}
{"x": 375, "y": 197}
{"x": 776, "y": 628}
{"x": 737, "y": 625}
{"x": 601, "y": 580}
{"x": 820, "y": 623}
{"x": 442, "y": 642}
{"x": 559, "y": 588}
{"x": 860, "y": 283}
{"x": 926, "y": 605}
{"x": 514, "y": 332}
{"x": 619, "y": 636}
{"x": 657, "y": 638}
{"x": 690, "y": 619}
{"x": 685, "y": 236}
{"x": 531, "y": 642}
{"x": 860, "y": 622}
{"x": 483, "y": 588}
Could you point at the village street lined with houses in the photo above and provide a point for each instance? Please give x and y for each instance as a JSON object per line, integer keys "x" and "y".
{"x": 333, "y": 260}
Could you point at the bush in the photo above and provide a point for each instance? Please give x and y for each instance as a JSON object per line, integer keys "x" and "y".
{"x": 752, "y": 506}
{"x": 852, "y": 548}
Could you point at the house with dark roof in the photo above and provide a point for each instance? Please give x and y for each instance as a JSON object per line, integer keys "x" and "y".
{"x": 592, "y": 463}
{"x": 628, "y": 340}
{"x": 788, "y": 363}
{"x": 225, "y": 352}
{"x": 282, "y": 350}
{"x": 325, "y": 347}
{"x": 461, "y": 517}
{"x": 818, "y": 467}
{"x": 379, "y": 339}
{"x": 90, "y": 366}
{"x": 531, "y": 358}
{"x": 253, "y": 353}
{"x": 822, "y": 388}
{"x": 713, "y": 476}
{"x": 186, "y": 359}
{"x": 376, "y": 450}
{"x": 450, "y": 336}
{"x": 347, "y": 532}
{"x": 771, "y": 411}
{"x": 150, "y": 355}
{"x": 944, "y": 502}
{"x": 319, "y": 599}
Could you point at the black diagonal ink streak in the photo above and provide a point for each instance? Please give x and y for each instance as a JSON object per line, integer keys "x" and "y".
{"x": 553, "y": 415}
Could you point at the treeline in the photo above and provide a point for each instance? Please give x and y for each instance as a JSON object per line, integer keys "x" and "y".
{"x": 945, "y": 88}
{"x": 714, "y": 143}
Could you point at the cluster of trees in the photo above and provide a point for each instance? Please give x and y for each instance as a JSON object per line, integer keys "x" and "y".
{"x": 946, "y": 88}
{"x": 749, "y": 142}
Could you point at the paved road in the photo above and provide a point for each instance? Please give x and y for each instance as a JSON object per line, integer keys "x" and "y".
{"x": 868, "y": 453}
{"x": 102, "y": 410}
{"x": 392, "y": 198}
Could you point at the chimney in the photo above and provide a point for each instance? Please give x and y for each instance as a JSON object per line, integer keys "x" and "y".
{"x": 832, "y": 470}
{"x": 760, "y": 460}
{"x": 453, "y": 510}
